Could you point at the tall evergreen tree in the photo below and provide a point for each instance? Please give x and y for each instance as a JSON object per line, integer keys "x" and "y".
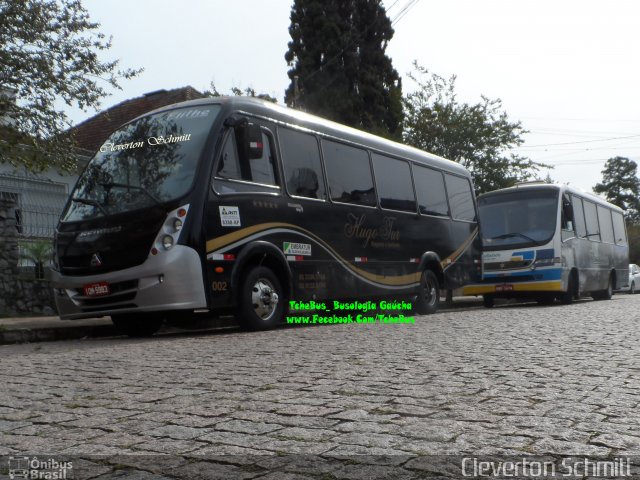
{"x": 337, "y": 52}
{"x": 621, "y": 186}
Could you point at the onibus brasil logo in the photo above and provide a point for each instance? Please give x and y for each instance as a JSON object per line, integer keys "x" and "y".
{"x": 48, "y": 469}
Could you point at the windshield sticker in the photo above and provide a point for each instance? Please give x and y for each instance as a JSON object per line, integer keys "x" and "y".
{"x": 229, "y": 216}
{"x": 161, "y": 140}
{"x": 292, "y": 248}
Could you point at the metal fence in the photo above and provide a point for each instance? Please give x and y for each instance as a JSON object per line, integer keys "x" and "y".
{"x": 39, "y": 203}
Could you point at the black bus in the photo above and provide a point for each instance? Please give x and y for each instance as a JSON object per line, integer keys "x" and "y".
{"x": 238, "y": 205}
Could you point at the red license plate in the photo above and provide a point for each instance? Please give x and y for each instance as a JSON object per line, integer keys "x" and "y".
{"x": 504, "y": 288}
{"x": 96, "y": 289}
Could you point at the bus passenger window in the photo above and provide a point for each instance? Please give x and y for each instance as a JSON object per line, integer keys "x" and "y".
{"x": 460, "y": 198}
{"x": 348, "y": 173}
{"x": 606, "y": 225}
{"x": 432, "y": 196}
{"x": 619, "y": 229}
{"x": 578, "y": 214}
{"x": 591, "y": 217}
{"x": 393, "y": 181}
{"x": 301, "y": 161}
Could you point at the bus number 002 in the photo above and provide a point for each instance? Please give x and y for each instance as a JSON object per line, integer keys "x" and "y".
{"x": 219, "y": 286}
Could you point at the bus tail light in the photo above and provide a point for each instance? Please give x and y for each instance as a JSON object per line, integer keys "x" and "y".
{"x": 170, "y": 232}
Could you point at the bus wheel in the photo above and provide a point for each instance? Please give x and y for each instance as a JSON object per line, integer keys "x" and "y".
{"x": 429, "y": 296}
{"x": 137, "y": 325}
{"x": 567, "y": 297}
{"x": 262, "y": 300}
{"x": 605, "y": 294}
{"x": 488, "y": 301}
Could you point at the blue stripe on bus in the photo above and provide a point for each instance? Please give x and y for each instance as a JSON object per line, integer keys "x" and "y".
{"x": 540, "y": 274}
{"x": 544, "y": 254}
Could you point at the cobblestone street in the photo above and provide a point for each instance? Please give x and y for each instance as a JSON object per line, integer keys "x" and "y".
{"x": 513, "y": 380}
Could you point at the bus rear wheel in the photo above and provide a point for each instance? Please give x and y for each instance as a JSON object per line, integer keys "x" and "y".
{"x": 429, "y": 295}
{"x": 605, "y": 294}
{"x": 567, "y": 297}
{"x": 262, "y": 300}
{"x": 137, "y": 325}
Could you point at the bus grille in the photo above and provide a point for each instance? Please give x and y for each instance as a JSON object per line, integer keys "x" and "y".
{"x": 508, "y": 265}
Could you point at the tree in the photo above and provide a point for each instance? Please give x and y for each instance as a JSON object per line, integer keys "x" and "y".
{"x": 339, "y": 69}
{"x": 48, "y": 51}
{"x": 621, "y": 186}
{"x": 238, "y": 92}
{"x": 39, "y": 252}
{"x": 478, "y": 136}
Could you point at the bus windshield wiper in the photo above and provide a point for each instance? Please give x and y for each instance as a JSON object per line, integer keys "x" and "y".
{"x": 511, "y": 235}
{"x": 110, "y": 185}
{"x": 93, "y": 203}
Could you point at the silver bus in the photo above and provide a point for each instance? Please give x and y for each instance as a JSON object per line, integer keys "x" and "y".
{"x": 550, "y": 242}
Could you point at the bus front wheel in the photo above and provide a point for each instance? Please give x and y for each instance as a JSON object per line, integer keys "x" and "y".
{"x": 262, "y": 300}
{"x": 429, "y": 296}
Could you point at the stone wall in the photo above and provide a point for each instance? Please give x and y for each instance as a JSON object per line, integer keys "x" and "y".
{"x": 18, "y": 296}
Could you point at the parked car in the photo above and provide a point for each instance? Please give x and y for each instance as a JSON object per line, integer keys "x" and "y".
{"x": 634, "y": 277}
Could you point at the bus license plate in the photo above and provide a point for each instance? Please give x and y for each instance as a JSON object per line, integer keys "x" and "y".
{"x": 96, "y": 289}
{"x": 504, "y": 288}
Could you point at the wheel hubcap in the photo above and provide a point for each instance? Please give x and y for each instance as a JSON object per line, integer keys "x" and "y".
{"x": 264, "y": 298}
{"x": 429, "y": 291}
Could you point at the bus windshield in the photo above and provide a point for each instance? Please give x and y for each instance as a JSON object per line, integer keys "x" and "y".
{"x": 518, "y": 219}
{"x": 147, "y": 162}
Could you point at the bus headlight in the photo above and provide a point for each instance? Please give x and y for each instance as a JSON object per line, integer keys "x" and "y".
{"x": 167, "y": 242}
{"x": 169, "y": 233}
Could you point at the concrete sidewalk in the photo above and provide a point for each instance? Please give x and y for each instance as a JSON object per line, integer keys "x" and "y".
{"x": 47, "y": 329}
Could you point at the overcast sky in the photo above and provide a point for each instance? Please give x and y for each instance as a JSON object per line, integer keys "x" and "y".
{"x": 567, "y": 69}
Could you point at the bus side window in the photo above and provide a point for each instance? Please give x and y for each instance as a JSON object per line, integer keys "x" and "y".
{"x": 460, "y": 198}
{"x": 606, "y": 224}
{"x": 348, "y": 173}
{"x": 229, "y": 166}
{"x": 259, "y": 170}
{"x": 619, "y": 229}
{"x": 567, "y": 214}
{"x": 302, "y": 167}
{"x": 393, "y": 181}
{"x": 578, "y": 215}
{"x": 262, "y": 170}
{"x": 591, "y": 217}
{"x": 432, "y": 196}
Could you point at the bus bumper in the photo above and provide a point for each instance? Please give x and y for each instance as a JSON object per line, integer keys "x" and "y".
{"x": 502, "y": 288}
{"x": 171, "y": 280}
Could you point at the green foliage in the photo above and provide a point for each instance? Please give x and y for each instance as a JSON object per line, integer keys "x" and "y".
{"x": 621, "y": 186}
{"x": 337, "y": 53}
{"x": 478, "y": 136}
{"x": 49, "y": 51}
{"x": 39, "y": 252}
{"x": 238, "y": 92}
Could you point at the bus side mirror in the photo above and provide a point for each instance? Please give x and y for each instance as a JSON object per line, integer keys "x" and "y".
{"x": 249, "y": 138}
